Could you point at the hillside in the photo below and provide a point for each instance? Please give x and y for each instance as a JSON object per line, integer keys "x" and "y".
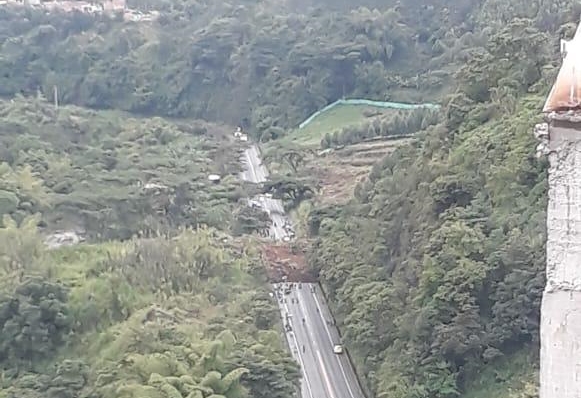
{"x": 157, "y": 303}
{"x": 447, "y": 249}
{"x": 113, "y": 175}
{"x": 436, "y": 267}
{"x": 275, "y": 63}
{"x": 162, "y": 317}
{"x": 434, "y": 261}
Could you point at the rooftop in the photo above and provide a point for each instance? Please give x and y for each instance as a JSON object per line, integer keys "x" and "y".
{"x": 566, "y": 92}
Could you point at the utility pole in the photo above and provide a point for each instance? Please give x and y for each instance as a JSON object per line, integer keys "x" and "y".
{"x": 56, "y": 96}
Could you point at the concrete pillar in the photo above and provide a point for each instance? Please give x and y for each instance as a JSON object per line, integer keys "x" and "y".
{"x": 560, "y": 375}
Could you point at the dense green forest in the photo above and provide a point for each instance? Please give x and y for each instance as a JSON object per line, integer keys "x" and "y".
{"x": 187, "y": 316}
{"x": 162, "y": 301}
{"x": 112, "y": 175}
{"x": 434, "y": 268}
{"x": 276, "y": 63}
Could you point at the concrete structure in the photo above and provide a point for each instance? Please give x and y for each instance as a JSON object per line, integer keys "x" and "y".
{"x": 560, "y": 375}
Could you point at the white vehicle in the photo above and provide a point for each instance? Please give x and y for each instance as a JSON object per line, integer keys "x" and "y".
{"x": 338, "y": 349}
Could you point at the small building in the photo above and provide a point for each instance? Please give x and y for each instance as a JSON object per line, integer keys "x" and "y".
{"x": 114, "y": 5}
{"x": 150, "y": 186}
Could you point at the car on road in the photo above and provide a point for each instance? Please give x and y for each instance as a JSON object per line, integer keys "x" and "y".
{"x": 338, "y": 349}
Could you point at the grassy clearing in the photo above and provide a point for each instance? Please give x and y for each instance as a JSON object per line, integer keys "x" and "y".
{"x": 338, "y": 171}
{"x": 335, "y": 119}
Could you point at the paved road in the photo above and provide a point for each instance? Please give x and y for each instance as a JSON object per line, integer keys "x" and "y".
{"x": 325, "y": 374}
{"x": 254, "y": 171}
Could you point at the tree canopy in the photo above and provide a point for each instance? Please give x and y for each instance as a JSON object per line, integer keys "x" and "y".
{"x": 436, "y": 267}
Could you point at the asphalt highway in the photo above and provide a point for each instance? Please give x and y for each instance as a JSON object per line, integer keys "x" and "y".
{"x": 309, "y": 325}
{"x": 312, "y": 337}
{"x": 254, "y": 171}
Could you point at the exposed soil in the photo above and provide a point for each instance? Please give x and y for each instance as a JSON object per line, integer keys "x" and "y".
{"x": 286, "y": 260}
{"x": 339, "y": 171}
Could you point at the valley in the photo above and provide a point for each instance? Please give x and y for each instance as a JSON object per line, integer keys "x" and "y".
{"x": 204, "y": 184}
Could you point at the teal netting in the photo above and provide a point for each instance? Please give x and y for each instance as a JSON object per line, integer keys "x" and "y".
{"x": 378, "y": 104}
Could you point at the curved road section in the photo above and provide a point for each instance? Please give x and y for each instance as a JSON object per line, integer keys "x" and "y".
{"x": 308, "y": 323}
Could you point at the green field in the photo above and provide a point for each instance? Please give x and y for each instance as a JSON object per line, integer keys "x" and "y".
{"x": 335, "y": 119}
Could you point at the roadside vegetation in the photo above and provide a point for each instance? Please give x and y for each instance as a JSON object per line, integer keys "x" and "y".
{"x": 182, "y": 316}
{"x": 436, "y": 267}
{"x": 161, "y": 301}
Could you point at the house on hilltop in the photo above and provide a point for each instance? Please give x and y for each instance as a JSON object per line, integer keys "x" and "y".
{"x": 114, "y": 5}
{"x": 94, "y": 6}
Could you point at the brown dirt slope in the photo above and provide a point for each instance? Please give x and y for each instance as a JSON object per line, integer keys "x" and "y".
{"x": 338, "y": 171}
{"x": 286, "y": 260}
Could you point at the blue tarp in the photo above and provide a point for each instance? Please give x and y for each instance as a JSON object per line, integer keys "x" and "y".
{"x": 377, "y": 104}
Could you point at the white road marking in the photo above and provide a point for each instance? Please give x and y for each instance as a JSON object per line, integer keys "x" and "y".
{"x": 322, "y": 364}
{"x": 331, "y": 340}
{"x": 325, "y": 375}
{"x": 304, "y": 370}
